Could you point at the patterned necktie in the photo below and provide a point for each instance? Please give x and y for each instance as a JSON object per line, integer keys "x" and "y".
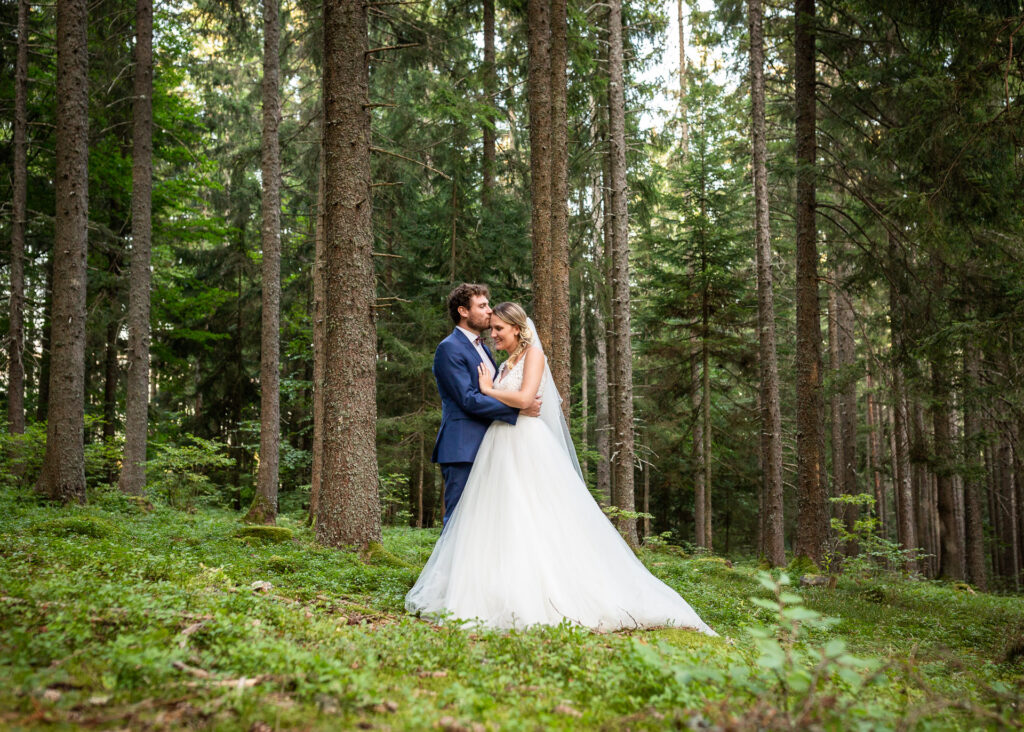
{"x": 479, "y": 341}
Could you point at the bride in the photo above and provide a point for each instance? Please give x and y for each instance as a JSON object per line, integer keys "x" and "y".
{"x": 527, "y": 544}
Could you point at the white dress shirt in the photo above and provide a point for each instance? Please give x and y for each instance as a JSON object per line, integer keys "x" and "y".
{"x": 473, "y": 337}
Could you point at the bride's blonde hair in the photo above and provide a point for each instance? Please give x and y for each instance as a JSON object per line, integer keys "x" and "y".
{"x": 513, "y": 314}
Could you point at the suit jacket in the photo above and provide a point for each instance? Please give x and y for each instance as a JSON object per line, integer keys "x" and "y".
{"x": 465, "y": 412}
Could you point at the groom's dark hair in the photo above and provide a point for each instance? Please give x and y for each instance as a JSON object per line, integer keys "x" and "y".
{"x": 461, "y": 297}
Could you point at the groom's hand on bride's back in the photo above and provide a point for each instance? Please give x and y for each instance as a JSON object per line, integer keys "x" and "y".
{"x": 533, "y": 410}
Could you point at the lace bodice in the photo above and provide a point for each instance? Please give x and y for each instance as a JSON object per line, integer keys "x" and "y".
{"x": 510, "y": 379}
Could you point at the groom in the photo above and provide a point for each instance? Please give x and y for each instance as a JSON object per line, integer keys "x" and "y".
{"x": 465, "y": 412}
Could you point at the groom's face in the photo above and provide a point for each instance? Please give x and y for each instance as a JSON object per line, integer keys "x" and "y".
{"x": 479, "y": 315}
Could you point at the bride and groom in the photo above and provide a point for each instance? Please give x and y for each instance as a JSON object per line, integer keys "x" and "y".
{"x": 523, "y": 543}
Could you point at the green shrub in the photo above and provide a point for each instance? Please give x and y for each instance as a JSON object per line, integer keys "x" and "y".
{"x": 181, "y": 474}
{"x": 91, "y": 526}
{"x": 21, "y": 456}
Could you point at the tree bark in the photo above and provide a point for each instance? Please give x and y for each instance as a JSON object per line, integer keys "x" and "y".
{"x": 584, "y": 380}
{"x": 490, "y": 89}
{"x": 43, "y": 405}
{"x": 700, "y": 502}
{"x": 63, "y": 474}
{"x": 903, "y": 474}
{"x": 602, "y": 428}
{"x": 684, "y": 125}
{"x": 1003, "y": 517}
{"x": 19, "y": 215}
{"x": 609, "y": 296}
{"x": 623, "y": 466}
{"x": 349, "y": 507}
{"x": 136, "y": 422}
{"x": 835, "y": 420}
{"x": 770, "y": 411}
{"x": 812, "y": 506}
{"x": 264, "y": 502}
{"x": 951, "y": 556}
{"x": 539, "y": 97}
{"x": 110, "y": 380}
{"x": 973, "y": 471}
{"x": 548, "y": 49}
{"x": 922, "y": 486}
{"x": 845, "y": 417}
{"x": 874, "y": 457}
{"x": 316, "y": 478}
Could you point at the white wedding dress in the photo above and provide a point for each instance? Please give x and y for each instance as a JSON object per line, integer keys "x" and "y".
{"x": 527, "y": 544}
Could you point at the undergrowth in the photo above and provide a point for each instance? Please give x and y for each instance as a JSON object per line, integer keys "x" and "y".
{"x": 128, "y": 614}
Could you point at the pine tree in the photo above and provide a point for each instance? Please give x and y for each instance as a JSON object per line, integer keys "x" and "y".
{"x": 264, "y": 504}
{"x": 348, "y": 510}
{"x": 133, "y": 470}
{"x": 63, "y": 475}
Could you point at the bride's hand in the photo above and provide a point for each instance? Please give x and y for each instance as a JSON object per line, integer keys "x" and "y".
{"x": 486, "y": 382}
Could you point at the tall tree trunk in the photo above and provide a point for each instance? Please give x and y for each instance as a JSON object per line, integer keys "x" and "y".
{"x": 319, "y": 320}
{"x": 547, "y": 31}
{"x": 770, "y": 412}
{"x": 700, "y": 502}
{"x": 110, "y": 380}
{"x": 835, "y": 420}
{"x": 705, "y": 412}
{"x": 684, "y": 125}
{"x": 1013, "y": 504}
{"x": 874, "y": 457}
{"x": 63, "y": 474}
{"x": 584, "y": 380}
{"x": 1003, "y": 517}
{"x": 609, "y": 295}
{"x": 921, "y": 482}
{"x": 973, "y": 471}
{"x": 422, "y": 468}
{"x": 623, "y": 466}
{"x": 812, "y": 506}
{"x": 602, "y": 428}
{"x": 559, "y": 331}
{"x": 349, "y": 508}
{"x": 903, "y": 474}
{"x": 264, "y": 502}
{"x": 848, "y": 393}
{"x": 1018, "y": 501}
{"x": 19, "y": 215}
{"x": 136, "y": 420}
{"x": 539, "y": 97}
{"x": 490, "y": 89}
{"x": 43, "y": 404}
{"x": 951, "y": 556}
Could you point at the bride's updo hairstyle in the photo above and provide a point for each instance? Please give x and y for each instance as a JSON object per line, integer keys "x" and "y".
{"x": 514, "y": 314}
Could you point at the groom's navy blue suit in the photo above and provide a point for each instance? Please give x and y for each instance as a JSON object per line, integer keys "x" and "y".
{"x": 465, "y": 413}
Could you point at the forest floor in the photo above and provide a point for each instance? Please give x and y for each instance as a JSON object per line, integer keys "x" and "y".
{"x": 126, "y": 615}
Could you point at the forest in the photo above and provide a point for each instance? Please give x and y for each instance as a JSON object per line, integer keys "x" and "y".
{"x": 774, "y": 252}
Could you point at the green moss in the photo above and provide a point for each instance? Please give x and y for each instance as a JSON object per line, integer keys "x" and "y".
{"x": 376, "y": 554}
{"x": 284, "y": 565}
{"x": 265, "y": 534}
{"x": 801, "y": 566}
{"x": 91, "y": 526}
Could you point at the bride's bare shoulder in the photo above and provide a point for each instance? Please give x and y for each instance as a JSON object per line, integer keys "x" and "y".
{"x": 534, "y": 356}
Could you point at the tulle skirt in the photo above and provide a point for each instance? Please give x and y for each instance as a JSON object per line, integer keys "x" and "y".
{"x": 528, "y": 545}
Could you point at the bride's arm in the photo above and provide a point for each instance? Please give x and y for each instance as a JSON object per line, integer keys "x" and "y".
{"x": 533, "y": 370}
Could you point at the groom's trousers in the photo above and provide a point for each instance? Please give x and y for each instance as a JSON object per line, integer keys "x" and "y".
{"x": 455, "y": 476}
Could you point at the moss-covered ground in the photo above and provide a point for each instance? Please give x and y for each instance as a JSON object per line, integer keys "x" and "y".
{"x": 125, "y": 615}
